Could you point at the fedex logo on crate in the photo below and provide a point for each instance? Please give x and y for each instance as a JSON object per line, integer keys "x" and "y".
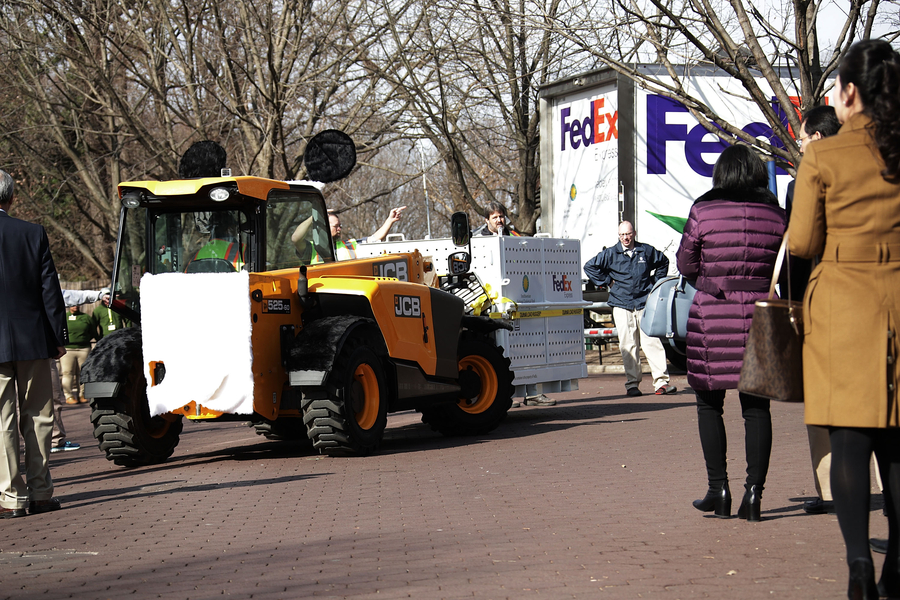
{"x": 701, "y": 148}
{"x": 562, "y": 283}
{"x": 600, "y": 125}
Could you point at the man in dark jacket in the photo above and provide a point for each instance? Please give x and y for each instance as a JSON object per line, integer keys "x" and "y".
{"x": 32, "y": 331}
{"x": 631, "y": 268}
{"x": 817, "y": 123}
{"x": 495, "y": 223}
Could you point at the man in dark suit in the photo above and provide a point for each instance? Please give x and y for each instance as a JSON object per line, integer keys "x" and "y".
{"x": 32, "y": 331}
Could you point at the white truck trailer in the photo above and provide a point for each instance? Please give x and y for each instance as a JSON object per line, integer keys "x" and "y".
{"x": 612, "y": 151}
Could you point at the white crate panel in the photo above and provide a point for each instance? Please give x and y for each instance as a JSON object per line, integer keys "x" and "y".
{"x": 548, "y": 380}
{"x": 565, "y": 339}
{"x": 439, "y": 250}
{"x": 523, "y": 266}
{"x": 562, "y": 270}
{"x": 527, "y": 345}
{"x": 544, "y": 341}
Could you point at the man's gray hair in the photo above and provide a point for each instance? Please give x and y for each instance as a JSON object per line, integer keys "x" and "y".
{"x": 7, "y": 188}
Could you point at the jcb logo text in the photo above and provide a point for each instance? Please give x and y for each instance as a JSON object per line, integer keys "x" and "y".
{"x": 394, "y": 268}
{"x": 407, "y": 306}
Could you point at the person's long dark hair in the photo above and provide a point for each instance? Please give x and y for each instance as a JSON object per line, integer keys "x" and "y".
{"x": 873, "y": 66}
{"x": 739, "y": 167}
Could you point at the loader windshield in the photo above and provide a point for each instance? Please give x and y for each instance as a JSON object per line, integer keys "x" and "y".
{"x": 297, "y": 230}
{"x": 202, "y": 242}
{"x": 266, "y": 228}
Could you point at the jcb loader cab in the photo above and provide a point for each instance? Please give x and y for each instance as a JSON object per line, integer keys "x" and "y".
{"x": 242, "y": 313}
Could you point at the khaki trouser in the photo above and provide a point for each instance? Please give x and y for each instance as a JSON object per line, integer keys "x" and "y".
{"x": 820, "y": 453}
{"x": 59, "y": 430}
{"x": 70, "y": 364}
{"x": 26, "y": 384}
{"x": 631, "y": 341}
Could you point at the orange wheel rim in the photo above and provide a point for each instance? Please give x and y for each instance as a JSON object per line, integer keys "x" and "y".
{"x": 367, "y": 397}
{"x": 159, "y": 426}
{"x": 489, "y": 384}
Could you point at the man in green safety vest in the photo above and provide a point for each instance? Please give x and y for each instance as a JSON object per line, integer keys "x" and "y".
{"x": 223, "y": 253}
{"x": 345, "y": 250}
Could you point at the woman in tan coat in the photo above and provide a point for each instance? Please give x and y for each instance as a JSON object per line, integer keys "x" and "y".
{"x": 847, "y": 210}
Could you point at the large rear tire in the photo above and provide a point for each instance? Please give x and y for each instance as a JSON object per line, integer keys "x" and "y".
{"x": 485, "y": 373}
{"x": 127, "y": 434}
{"x": 350, "y": 417}
{"x": 282, "y": 430}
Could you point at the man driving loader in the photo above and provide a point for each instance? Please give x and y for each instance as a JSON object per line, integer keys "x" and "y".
{"x": 223, "y": 251}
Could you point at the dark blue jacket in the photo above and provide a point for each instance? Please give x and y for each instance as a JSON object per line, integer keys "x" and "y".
{"x": 32, "y": 313}
{"x": 631, "y": 277}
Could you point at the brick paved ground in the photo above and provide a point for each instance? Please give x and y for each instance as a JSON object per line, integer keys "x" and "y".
{"x": 587, "y": 499}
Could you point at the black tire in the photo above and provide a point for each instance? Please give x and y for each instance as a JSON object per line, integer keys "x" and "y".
{"x": 350, "y": 416}
{"x": 127, "y": 434}
{"x": 485, "y": 409}
{"x": 282, "y": 430}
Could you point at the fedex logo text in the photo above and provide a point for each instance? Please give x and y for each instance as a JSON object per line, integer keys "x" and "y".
{"x": 588, "y": 131}
{"x": 697, "y": 140}
{"x": 562, "y": 284}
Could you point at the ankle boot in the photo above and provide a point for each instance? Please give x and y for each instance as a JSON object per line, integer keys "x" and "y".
{"x": 750, "y": 505}
{"x": 889, "y": 584}
{"x": 718, "y": 499}
{"x": 862, "y": 580}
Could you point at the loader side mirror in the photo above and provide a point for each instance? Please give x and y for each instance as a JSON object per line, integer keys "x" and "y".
{"x": 459, "y": 229}
{"x": 458, "y": 263}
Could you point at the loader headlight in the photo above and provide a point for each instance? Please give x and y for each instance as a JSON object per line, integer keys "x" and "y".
{"x": 131, "y": 199}
{"x": 219, "y": 194}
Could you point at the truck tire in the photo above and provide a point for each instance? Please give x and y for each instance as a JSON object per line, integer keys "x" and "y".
{"x": 282, "y": 430}
{"x": 487, "y": 407}
{"x": 350, "y": 418}
{"x": 127, "y": 434}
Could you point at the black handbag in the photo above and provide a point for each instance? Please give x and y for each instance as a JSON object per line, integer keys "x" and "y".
{"x": 773, "y": 357}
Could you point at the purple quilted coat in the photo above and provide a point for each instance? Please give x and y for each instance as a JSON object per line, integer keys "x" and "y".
{"x": 729, "y": 246}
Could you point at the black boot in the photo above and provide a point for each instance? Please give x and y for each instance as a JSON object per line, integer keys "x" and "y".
{"x": 889, "y": 584}
{"x": 750, "y": 505}
{"x": 718, "y": 499}
{"x": 862, "y": 580}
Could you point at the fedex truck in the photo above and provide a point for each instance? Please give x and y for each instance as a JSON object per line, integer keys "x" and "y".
{"x": 611, "y": 151}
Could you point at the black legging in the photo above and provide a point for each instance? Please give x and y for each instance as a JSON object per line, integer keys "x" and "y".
{"x": 757, "y": 435}
{"x": 851, "y": 449}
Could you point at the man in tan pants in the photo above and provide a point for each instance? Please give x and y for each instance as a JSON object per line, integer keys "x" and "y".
{"x": 32, "y": 319}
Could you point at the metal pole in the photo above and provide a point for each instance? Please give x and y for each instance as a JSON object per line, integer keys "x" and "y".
{"x": 425, "y": 187}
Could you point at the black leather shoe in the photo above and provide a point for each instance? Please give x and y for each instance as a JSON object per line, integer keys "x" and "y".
{"x": 862, "y": 580}
{"x": 878, "y": 545}
{"x": 750, "y": 505}
{"x": 11, "y": 513}
{"x": 633, "y": 392}
{"x": 36, "y": 507}
{"x": 717, "y": 499}
{"x": 819, "y": 507}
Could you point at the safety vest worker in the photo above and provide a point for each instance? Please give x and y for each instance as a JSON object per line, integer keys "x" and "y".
{"x": 230, "y": 252}
{"x": 345, "y": 250}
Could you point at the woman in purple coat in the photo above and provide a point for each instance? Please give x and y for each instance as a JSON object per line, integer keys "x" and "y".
{"x": 729, "y": 246}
